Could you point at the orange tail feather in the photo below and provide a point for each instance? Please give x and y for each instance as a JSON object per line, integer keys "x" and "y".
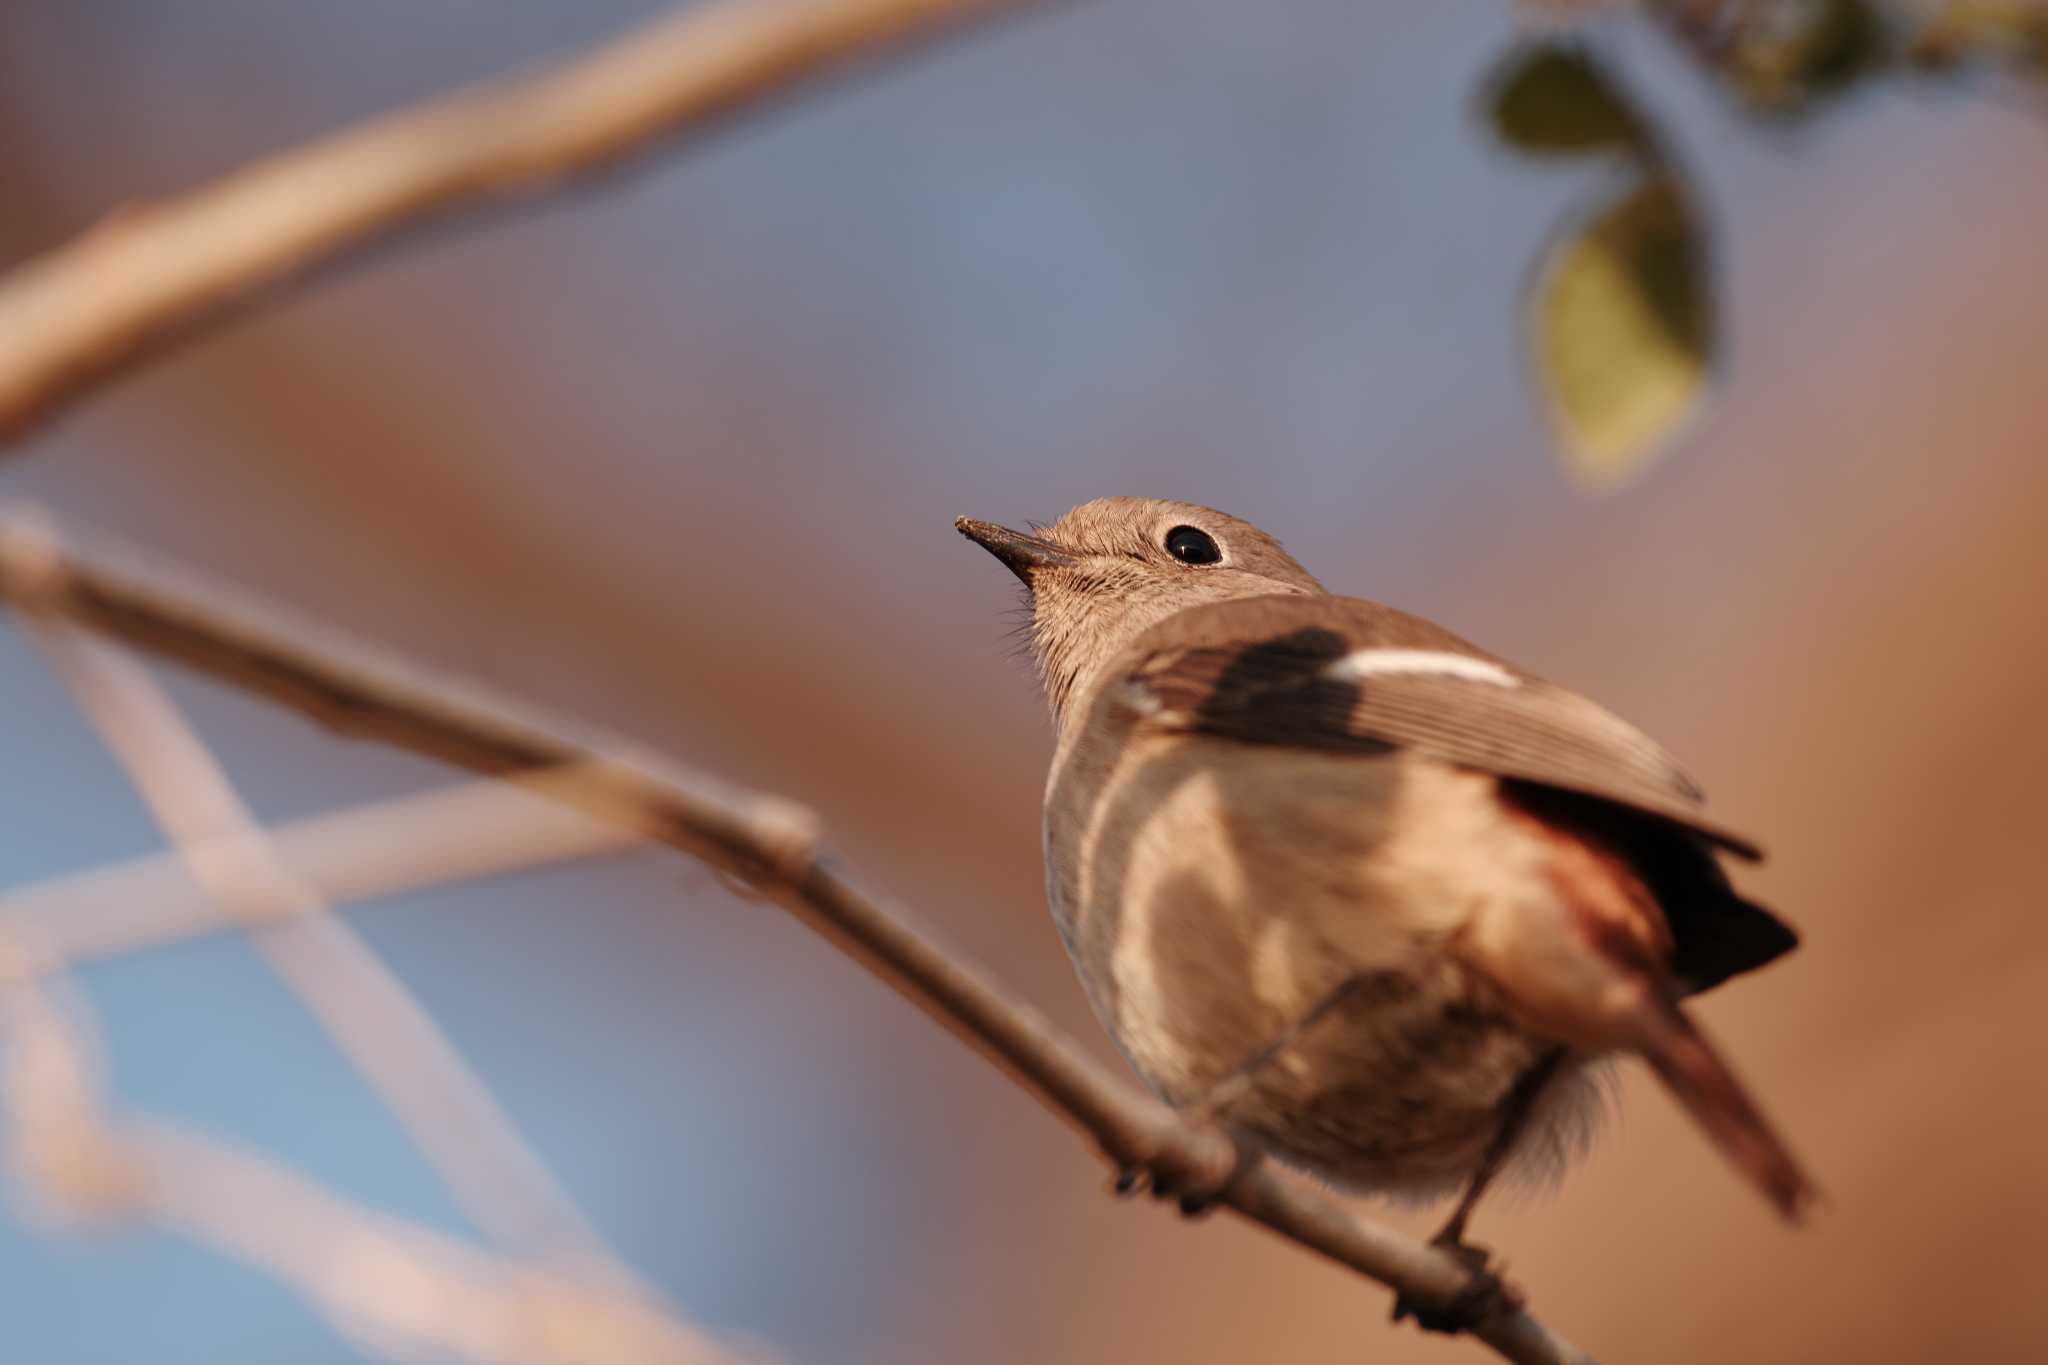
{"x": 1695, "y": 1074}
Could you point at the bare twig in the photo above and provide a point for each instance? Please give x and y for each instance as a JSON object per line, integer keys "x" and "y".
{"x": 763, "y": 840}
{"x": 151, "y": 272}
{"x": 398, "y": 1287}
{"x": 394, "y": 1286}
{"x": 53, "y": 1088}
{"x": 410, "y": 843}
{"x": 385, "y": 1034}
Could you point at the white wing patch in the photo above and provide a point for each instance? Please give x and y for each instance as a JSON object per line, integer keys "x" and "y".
{"x": 1381, "y": 663}
{"x": 1139, "y": 697}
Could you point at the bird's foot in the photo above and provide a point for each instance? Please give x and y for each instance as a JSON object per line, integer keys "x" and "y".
{"x": 1482, "y": 1297}
{"x": 1196, "y": 1196}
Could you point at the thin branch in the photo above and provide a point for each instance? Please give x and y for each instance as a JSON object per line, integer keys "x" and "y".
{"x": 400, "y": 1288}
{"x": 386, "y": 1035}
{"x": 53, "y": 1089}
{"x": 762, "y": 840}
{"x": 389, "y": 848}
{"x": 394, "y": 1286}
{"x": 152, "y": 272}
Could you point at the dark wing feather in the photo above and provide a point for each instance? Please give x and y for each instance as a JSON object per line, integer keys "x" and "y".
{"x": 1259, "y": 670}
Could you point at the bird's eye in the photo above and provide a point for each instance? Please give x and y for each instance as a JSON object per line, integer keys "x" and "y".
{"x": 1192, "y": 546}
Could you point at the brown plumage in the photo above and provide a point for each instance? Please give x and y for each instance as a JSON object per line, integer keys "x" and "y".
{"x": 1270, "y": 805}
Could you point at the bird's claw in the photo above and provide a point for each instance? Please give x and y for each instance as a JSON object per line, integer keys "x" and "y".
{"x": 1136, "y": 1180}
{"x": 1485, "y": 1295}
{"x": 1197, "y": 1196}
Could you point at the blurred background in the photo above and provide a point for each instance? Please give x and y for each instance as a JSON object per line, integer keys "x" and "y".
{"x": 681, "y": 457}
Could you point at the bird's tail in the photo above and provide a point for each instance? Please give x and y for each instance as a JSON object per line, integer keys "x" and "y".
{"x": 1586, "y": 959}
{"x": 1695, "y": 1074}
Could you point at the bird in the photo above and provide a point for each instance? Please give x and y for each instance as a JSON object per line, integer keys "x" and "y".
{"x": 1376, "y": 900}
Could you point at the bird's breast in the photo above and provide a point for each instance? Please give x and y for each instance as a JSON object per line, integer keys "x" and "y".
{"x": 1211, "y": 892}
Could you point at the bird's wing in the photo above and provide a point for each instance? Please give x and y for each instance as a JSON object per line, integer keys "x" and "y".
{"x": 1345, "y": 675}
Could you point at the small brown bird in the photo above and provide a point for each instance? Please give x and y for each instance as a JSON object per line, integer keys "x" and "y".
{"x": 1373, "y": 897}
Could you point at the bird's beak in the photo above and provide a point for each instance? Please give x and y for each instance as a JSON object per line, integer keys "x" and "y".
{"x": 1021, "y": 554}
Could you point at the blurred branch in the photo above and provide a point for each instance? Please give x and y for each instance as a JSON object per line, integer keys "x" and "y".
{"x": 398, "y": 1287}
{"x": 480, "y": 829}
{"x": 153, "y": 272}
{"x": 762, "y": 840}
{"x": 365, "y": 1009}
{"x": 393, "y": 1286}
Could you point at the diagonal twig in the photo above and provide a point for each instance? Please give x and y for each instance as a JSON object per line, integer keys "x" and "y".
{"x": 388, "y": 1037}
{"x": 53, "y": 1087}
{"x": 154, "y": 272}
{"x": 763, "y": 840}
{"x": 398, "y": 1287}
{"x": 394, "y": 1286}
{"x": 389, "y": 848}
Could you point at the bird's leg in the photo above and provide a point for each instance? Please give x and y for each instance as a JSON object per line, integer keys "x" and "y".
{"x": 1487, "y": 1289}
{"x": 1225, "y": 1093}
{"x": 1515, "y": 1113}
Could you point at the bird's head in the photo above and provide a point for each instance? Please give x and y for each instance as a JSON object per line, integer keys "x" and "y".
{"x": 1111, "y": 568}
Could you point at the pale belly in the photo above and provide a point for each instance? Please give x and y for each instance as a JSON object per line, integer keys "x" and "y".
{"x": 1212, "y": 894}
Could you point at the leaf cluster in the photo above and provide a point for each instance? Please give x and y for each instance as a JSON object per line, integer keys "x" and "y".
{"x": 1620, "y": 322}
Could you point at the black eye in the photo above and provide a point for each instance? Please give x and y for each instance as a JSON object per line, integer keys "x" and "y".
{"x": 1192, "y": 546}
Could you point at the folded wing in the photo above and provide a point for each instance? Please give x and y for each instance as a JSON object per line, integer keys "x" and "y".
{"x": 1351, "y": 676}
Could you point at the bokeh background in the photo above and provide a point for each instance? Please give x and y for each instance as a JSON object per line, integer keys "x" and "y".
{"x": 681, "y": 457}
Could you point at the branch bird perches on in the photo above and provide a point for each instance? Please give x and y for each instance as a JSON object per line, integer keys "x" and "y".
{"x": 151, "y": 274}
{"x": 771, "y": 844}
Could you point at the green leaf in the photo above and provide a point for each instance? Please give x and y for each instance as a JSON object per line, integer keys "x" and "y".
{"x": 1969, "y": 33}
{"x": 1808, "y": 53}
{"x": 1621, "y": 329}
{"x": 1553, "y": 99}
